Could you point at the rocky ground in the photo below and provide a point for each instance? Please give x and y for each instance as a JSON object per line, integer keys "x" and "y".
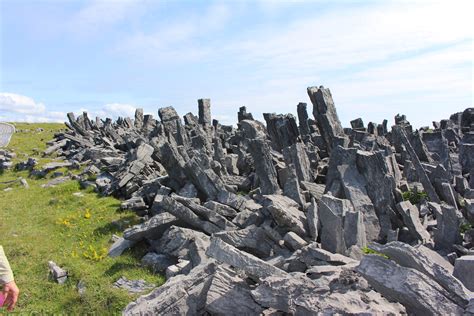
{"x": 291, "y": 218}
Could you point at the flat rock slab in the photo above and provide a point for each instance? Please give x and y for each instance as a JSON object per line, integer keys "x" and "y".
{"x": 252, "y": 265}
{"x": 416, "y": 291}
{"x": 55, "y": 182}
{"x": 133, "y": 286}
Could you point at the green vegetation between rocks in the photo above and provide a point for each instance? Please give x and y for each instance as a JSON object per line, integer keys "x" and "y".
{"x": 414, "y": 197}
{"x": 69, "y": 226}
{"x": 368, "y": 251}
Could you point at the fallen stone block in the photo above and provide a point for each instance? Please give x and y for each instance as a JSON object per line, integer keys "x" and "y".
{"x": 252, "y": 265}
{"x": 416, "y": 291}
{"x": 152, "y": 228}
{"x": 119, "y": 246}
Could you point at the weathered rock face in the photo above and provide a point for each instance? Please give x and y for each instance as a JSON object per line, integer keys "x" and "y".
{"x": 282, "y": 129}
{"x": 341, "y": 226}
{"x": 276, "y": 218}
{"x": 365, "y": 179}
{"x": 417, "y": 292}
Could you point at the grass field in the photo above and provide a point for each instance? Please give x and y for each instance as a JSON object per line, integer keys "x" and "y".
{"x": 41, "y": 224}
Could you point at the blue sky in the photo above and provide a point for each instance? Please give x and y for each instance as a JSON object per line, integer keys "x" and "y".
{"x": 379, "y": 58}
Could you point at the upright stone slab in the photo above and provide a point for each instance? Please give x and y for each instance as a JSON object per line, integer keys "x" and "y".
{"x": 430, "y": 190}
{"x": 282, "y": 129}
{"x": 243, "y": 115}
{"x": 204, "y": 111}
{"x": 303, "y": 118}
{"x": 296, "y": 155}
{"x": 447, "y": 233}
{"x": 325, "y": 114}
{"x": 138, "y": 118}
{"x": 264, "y": 167}
{"x": 463, "y": 270}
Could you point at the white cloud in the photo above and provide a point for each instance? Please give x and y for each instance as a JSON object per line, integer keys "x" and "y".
{"x": 342, "y": 38}
{"x": 110, "y": 110}
{"x": 20, "y": 108}
{"x": 377, "y": 60}
{"x": 120, "y": 109}
{"x": 17, "y": 103}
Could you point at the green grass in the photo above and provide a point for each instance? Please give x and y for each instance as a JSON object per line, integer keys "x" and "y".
{"x": 369, "y": 251}
{"x": 414, "y": 197}
{"x": 465, "y": 227}
{"x": 42, "y": 224}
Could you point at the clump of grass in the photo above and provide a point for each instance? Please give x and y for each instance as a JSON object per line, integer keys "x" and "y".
{"x": 465, "y": 227}
{"x": 414, "y": 196}
{"x": 368, "y": 251}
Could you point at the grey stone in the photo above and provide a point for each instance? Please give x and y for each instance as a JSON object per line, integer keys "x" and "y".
{"x": 55, "y": 182}
{"x": 252, "y": 129}
{"x": 447, "y": 231}
{"x": 182, "y": 267}
{"x": 119, "y": 246}
{"x": 298, "y": 295}
{"x": 133, "y": 286}
{"x": 303, "y": 119}
{"x": 416, "y": 291}
{"x": 182, "y": 212}
{"x": 294, "y": 241}
{"x": 204, "y": 106}
{"x": 181, "y": 295}
{"x": 252, "y": 239}
{"x": 157, "y": 262}
{"x": 286, "y": 213}
{"x": 205, "y": 213}
{"x": 152, "y": 228}
{"x": 282, "y": 129}
{"x": 229, "y": 294}
{"x": 296, "y": 155}
{"x": 189, "y": 191}
{"x": 206, "y": 180}
{"x": 411, "y": 218}
{"x": 221, "y": 209}
{"x": 264, "y": 167}
{"x": 59, "y": 275}
{"x": 134, "y": 204}
{"x": 341, "y": 226}
{"x": 312, "y": 216}
{"x": 466, "y": 154}
{"x": 291, "y": 188}
{"x": 428, "y": 262}
{"x": 463, "y": 269}
{"x": 363, "y": 178}
{"x": 313, "y": 255}
{"x": 183, "y": 243}
{"x": 243, "y": 115}
{"x": 417, "y": 164}
{"x": 324, "y": 112}
{"x": 252, "y": 265}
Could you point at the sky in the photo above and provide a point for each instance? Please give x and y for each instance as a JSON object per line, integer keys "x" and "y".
{"x": 108, "y": 57}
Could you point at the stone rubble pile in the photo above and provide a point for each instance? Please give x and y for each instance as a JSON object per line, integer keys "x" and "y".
{"x": 6, "y": 159}
{"x": 297, "y": 215}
